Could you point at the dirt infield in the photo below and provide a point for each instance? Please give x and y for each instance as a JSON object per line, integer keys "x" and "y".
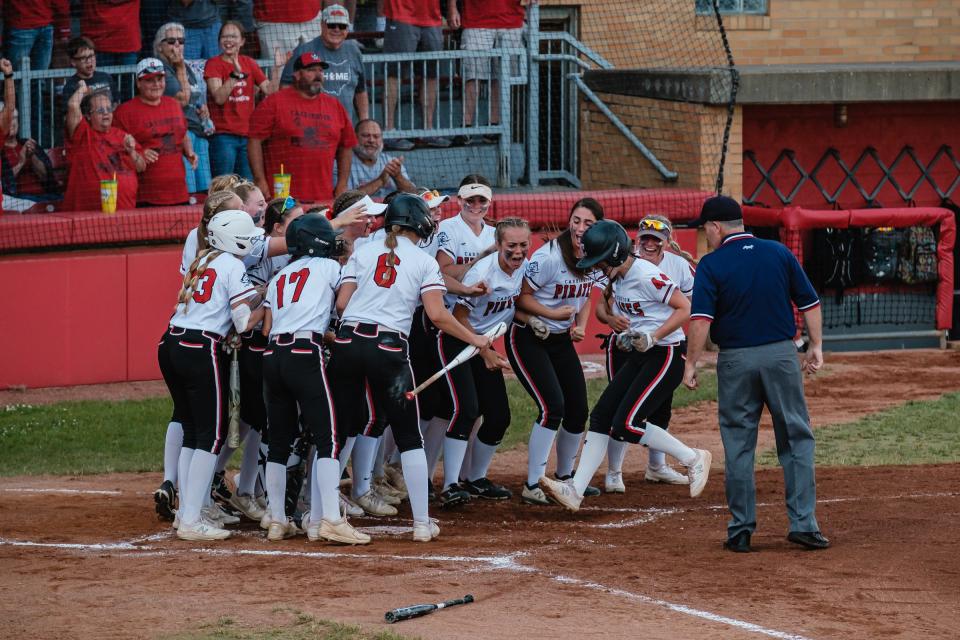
{"x": 85, "y": 557}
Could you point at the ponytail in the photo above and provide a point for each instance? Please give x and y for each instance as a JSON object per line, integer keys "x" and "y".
{"x": 683, "y": 254}
{"x": 390, "y": 242}
{"x": 192, "y": 277}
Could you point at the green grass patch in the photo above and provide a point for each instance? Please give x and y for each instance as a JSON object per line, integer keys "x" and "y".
{"x": 918, "y": 432}
{"x": 301, "y": 627}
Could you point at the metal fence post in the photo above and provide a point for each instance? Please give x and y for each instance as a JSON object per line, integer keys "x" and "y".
{"x": 533, "y": 94}
{"x": 23, "y": 98}
{"x": 503, "y": 166}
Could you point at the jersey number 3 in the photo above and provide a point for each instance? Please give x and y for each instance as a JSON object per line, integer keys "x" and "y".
{"x": 386, "y": 275}
{"x": 205, "y": 286}
{"x": 297, "y": 278}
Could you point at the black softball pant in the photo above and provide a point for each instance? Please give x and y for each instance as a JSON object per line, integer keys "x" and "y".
{"x": 472, "y": 391}
{"x": 197, "y": 373}
{"x": 551, "y": 373}
{"x": 424, "y": 360}
{"x": 615, "y": 359}
{"x": 294, "y": 376}
{"x": 368, "y": 353}
{"x": 643, "y": 384}
{"x": 253, "y": 411}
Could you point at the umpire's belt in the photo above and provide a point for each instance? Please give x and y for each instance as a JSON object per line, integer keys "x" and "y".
{"x": 372, "y": 330}
{"x": 289, "y": 338}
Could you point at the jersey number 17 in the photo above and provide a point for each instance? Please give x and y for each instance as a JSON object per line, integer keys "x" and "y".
{"x": 298, "y": 280}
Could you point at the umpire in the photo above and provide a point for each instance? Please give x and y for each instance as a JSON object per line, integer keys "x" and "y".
{"x": 742, "y": 294}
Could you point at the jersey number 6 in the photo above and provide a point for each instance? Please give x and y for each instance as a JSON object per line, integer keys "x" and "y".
{"x": 385, "y": 275}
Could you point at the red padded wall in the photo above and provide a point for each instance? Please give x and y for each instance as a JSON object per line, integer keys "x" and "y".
{"x": 154, "y": 281}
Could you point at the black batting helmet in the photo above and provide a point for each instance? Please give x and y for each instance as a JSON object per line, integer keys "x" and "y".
{"x": 312, "y": 235}
{"x": 409, "y": 211}
{"x": 605, "y": 241}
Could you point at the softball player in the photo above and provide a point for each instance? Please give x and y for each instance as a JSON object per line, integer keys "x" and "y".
{"x": 654, "y": 232}
{"x": 216, "y": 294}
{"x": 298, "y": 305}
{"x": 556, "y": 294}
{"x": 656, "y": 309}
{"x": 381, "y": 285}
{"x": 477, "y": 388}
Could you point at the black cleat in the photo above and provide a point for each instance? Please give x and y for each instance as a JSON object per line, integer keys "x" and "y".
{"x": 483, "y": 488}
{"x": 166, "y": 498}
{"x": 453, "y": 496}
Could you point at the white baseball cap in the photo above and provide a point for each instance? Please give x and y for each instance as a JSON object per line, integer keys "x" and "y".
{"x": 373, "y": 208}
{"x": 148, "y": 68}
{"x": 336, "y": 14}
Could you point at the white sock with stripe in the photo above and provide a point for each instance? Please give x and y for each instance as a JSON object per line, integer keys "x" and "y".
{"x": 247, "y": 478}
{"x": 183, "y": 469}
{"x": 202, "y": 466}
{"x": 657, "y": 458}
{"x": 568, "y": 445}
{"x": 480, "y": 458}
{"x": 453, "y": 452}
{"x": 326, "y": 476}
{"x": 172, "y": 444}
{"x": 656, "y": 438}
{"x": 616, "y": 452}
{"x": 538, "y": 451}
{"x": 594, "y": 449}
{"x": 364, "y": 450}
{"x": 277, "y": 490}
{"x": 414, "y": 464}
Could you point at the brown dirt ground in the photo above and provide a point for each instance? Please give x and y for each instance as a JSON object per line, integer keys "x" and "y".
{"x": 648, "y": 563}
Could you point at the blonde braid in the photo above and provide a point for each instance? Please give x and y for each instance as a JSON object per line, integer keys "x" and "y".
{"x": 192, "y": 277}
{"x": 390, "y": 242}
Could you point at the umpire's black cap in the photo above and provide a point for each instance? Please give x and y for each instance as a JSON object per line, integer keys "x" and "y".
{"x": 718, "y": 209}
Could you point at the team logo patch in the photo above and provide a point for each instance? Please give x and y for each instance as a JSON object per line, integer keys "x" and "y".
{"x": 533, "y": 268}
{"x": 443, "y": 238}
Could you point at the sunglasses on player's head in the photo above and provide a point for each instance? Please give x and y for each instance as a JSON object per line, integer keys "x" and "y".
{"x": 651, "y": 223}
{"x": 288, "y": 204}
{"x": 430, "y": 196}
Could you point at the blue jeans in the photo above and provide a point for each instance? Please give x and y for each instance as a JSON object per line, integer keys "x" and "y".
{"x": 36, "y": 44}
{"x": 202, "y": 44}
{"x": 106, "y": 59}
{"x": 198, "y": 179}
{"x": 228, "y": 154}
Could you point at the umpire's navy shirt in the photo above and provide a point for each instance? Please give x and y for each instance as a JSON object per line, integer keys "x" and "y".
{"x": 744, "y": 289}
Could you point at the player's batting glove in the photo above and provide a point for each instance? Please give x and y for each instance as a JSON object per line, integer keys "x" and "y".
{"x": 642, "y": 341}
{"x": 624, "y": 341}
{"x": 539, "y": 327}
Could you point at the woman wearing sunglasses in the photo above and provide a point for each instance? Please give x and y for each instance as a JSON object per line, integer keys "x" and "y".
{"x": 654, "y": 232}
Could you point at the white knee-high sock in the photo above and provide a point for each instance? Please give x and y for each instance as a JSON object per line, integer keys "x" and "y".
{"x": 345, "y": 453}
{"x": 656, "y": 438}
{"x": 568, "y": 446}
{"x": 433, "y": 443}
{"x": 594, "y": 449}
{"x": 277, "y": 490}
{"x": 364, "y": 450}
{"x": 202, "y": 466}
{"x": 183, "y": 469}
{"x": 414, "y": 464}
{"x": 657, "y": 458}
{"x": 378, "y": 459}
{"x": 306, "y": 488}
{"x": 616, "y": 452}
{"x": 538, "y": 450}
{"x": 247, "y": 478}
{"x": 480, "y": 458}
{"x": 327, "y": 477}
{"x": 226, "y": 452}
{"x": 468, "y": 454}
{"x": 171, "y": 451}
{"x": 316, "y": 500}
{"x": 453, "y": 452}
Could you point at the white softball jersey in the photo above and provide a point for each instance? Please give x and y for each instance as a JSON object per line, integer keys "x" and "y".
{"x": 223, "y": 283}
{"x": 389, "y": 295}
{"x": 554, "y": 285}
{"x": 261, "y": 246}
{"x": 679, "y": 270}
{"x": 642, "y": 294}
{"x": 499, "y": 305}
{"x": 301, "y": 296}
{"x": 457, "y": 240}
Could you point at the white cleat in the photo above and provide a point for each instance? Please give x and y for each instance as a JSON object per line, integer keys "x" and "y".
{"x": 534, "y": 495}
{"x": 563, "y": 493}
{"x": 699, "y": 471}
{"x": 665, "y": 474}
{"x": 248, "y": 506}
{"x": 348, "y": 508}
{"x": 425, "y": 531}
{"x": 215, "y": 514}
{"x": 281, "y": 530}
{"x": 340, "y": 531}
{"x": 201, "y": 531}
{"x": 372, "y": 503}
{"x": 613, "y": 483}
{"x": 395, "y": 476}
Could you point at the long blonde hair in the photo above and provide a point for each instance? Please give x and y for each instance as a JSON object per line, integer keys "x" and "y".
{"x": 193, "y": 275}
{"x": 226, "y": 182}
{"x": 215, "y": 203}
{"x": 673, "y": 243}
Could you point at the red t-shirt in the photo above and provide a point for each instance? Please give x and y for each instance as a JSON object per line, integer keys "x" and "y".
{"x": 233, "y": 116}
{"x": 285, "y": 10}
{"x": 27, "y": 181}
{"x": 95, "y": 156}
{"x": 33, "y": 14}
{"x": 421, "y": 13}
{"x": 161, "y": 128}
{"x": 492, "y": 14}
{"x": 113, "y": 26}
{"x": 304, "y": 135}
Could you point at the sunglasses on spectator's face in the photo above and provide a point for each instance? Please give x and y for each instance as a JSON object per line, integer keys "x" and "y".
{"x": 86, "y": 58}
{"x": 173, "y": 41}
{"x": 657, "y": 225}
{"x": 288, "y": 204}
{"x": 337, "y": 27}
{"x": 102, "y": 111}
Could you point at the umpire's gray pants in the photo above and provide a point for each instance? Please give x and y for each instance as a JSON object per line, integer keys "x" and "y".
{"x": 748, "y": 379}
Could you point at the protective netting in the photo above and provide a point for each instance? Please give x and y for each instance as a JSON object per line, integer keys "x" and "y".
{"x": 544, "y": 98}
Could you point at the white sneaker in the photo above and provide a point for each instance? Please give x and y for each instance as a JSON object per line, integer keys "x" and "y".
{"x": 347, "y": 507}
{"x": 201, "y": 530}
{"x": 266, "y": 520}
{"x": 340, "y": 531}
{"x": 247, "y": 505}
{"x": 665, "y": 474}
{"x": 534, "y": 495}
{"x": 214, "y": 513}
{"x": 613, "y": 483}
{"x": 281, "y": 530}
{"x": 395, "y": 476}
{"x": 262, "y": 502}
{"x": 425, "y": 531}
{"x": 699, "y": 471}
{"x": 563, "y": 493}
{"x": 386, "y": 493}
{"x": 176, "y": 519}
{"x": 373, "y": 504}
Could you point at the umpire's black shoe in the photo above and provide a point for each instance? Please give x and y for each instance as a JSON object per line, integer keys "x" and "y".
{"x": 484, "y": 488}
{"x": 739, "y": 543}
{"x": 809, "y": 539}
{"x": 453, "y": 496}
{"x": 590, "y": 492}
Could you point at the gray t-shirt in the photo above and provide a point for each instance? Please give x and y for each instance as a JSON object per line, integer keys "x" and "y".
{"x": 343, "y": 79}
{"x": 196, "y": 15}
{"x": 361, "y": 173}
{"x": 196, "y": 96}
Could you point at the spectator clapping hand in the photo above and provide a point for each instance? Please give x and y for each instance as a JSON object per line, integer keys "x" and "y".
{"x": 5, "y": 66}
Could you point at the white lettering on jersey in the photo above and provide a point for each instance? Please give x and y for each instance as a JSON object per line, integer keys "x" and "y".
{"x": 301, "y": 296}
{"x": 497, "y": 306}
{"x": 554, "y": 285}
{"x": 221, "y": 284}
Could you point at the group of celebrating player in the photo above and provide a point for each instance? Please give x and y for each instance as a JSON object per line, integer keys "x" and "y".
{"x": 332, "y": 327}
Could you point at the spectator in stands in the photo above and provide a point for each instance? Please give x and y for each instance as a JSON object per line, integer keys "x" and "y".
{"x": 29, "y": 30}
{"x": 284, "y": 25}
{"x": 239, "y": 11}
{"x": 26, "y": 168}
{"x": 412, "y": 26}
{"x": 97, "y": 151}
{"x": 349, "y": 5}
{"x": 232, "y": 82}
{"x": 201, "y": 21}
{"x": 306, "y": 130}
{"x": 344, "y": 79}
{"x": 487, "y": 24}
{"x": 183, "y": 85}
{"x": 114, "y": 28}
{"x": 372, "y": 171}
{"x": 9, "y": 96}
{"x": 157, "y": 123}
{"x": 83, "y": 58}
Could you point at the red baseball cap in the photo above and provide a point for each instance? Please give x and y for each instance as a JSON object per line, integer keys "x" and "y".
{"x": 309, "y": 59}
